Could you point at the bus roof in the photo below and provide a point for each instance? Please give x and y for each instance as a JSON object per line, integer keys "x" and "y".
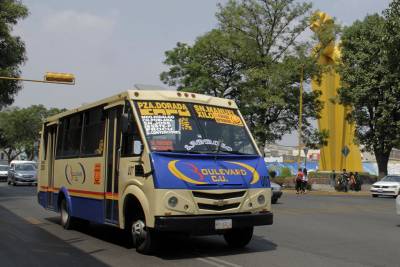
{"x": 158, "y": 95}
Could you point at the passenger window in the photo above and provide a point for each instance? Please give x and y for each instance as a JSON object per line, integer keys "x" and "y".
{"x": 93, "y": 132}
{"x": 130, "y": 135}
{"x": 44, "y": 144}
{"x": 70, "y": 131}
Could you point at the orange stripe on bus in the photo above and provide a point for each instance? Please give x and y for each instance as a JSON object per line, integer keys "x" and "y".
{"x": 80, "y": 193}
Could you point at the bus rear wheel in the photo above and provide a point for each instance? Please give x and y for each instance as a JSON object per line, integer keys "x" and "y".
{"x": 67, "y": 220}
{"x": 239, "y": 237}
{"x": 144, "y": 239}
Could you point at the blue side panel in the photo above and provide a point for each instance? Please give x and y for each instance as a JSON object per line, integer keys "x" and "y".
{"x": 85, "y": 208}
{"x": 42, "y": 199}
{"x": 88, "y": 209}
{"x": 55, "y": 201}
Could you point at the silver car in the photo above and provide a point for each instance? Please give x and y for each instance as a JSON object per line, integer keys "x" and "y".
{"x": 22, "y": 173}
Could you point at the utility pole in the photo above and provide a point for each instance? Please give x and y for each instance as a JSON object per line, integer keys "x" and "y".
{"x": 300, "y": 116}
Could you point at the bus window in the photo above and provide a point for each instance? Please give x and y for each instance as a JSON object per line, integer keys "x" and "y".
{"x": 69, "y": 144}
{"x": 131, "y": 135}
{"x": 93, "y": 133}
{"x": 44, "y": 144}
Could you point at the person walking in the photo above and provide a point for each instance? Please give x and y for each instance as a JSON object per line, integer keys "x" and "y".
{"x": 333, "y": 178}
{"x": 352, "y": 181}
{"x": 358, "y": 181}
{"x": 344, "y": 181}
{"x": 298, "y": 181}
{"x": 304, "y": 181}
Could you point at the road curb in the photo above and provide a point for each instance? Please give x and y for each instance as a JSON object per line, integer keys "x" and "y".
{"x": 330, "y": 193}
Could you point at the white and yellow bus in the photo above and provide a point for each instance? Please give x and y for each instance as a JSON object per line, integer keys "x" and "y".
{"x": 155, "y": 161}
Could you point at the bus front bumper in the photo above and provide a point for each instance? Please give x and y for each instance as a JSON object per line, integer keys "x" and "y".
{"x": 207, "y": 224}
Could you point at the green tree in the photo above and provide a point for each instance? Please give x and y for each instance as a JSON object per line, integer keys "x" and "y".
{"x": 12, "y": 49}
{"x": 370, "y": 86}
{"x": 392, "y": 40}
{"x": 20, "y": 128}
{"x": 253, "y": 57}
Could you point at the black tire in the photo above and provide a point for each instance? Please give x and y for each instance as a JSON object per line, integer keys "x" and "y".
{"x": 67, "y": 221}
{"x": 274, "y": 200}
{"x": 239, "y": 237}
{"x": 144, "y": 239}
{"x": 374, "y": 195}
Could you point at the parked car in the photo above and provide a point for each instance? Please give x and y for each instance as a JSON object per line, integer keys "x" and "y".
{"x": 3, "y": 173}
{"x": 22, "y": 172}
{"x": 388, "y": 186}
{"x": 276, "y": 192}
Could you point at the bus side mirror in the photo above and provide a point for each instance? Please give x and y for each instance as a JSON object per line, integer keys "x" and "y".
{"x": 124, "y": 123}
{"x": 137, "y": 147}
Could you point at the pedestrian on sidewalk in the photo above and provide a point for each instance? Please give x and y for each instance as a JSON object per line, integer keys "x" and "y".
{"x": 304, "y": 181}
{"x": 299, "y": 181}
{"x": 333, "y": 178}
{"x": 358, "y": 181}
{"x": 344, "y": 181}
{"x": 352, "y": 181}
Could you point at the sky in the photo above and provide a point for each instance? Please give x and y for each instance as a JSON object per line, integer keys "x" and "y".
{"x": 111, "y": 45}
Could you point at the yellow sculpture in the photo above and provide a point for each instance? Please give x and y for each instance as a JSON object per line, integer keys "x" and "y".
{"x": 341, "y": 133}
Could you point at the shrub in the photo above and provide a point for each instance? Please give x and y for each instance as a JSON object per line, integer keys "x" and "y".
{"x": 272, "y": 173}
{"x": 285, "y": 172}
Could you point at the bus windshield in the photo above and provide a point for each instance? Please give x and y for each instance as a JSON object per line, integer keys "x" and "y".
{"x": 193, "y": 128}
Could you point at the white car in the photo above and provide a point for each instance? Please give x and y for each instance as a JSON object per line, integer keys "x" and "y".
{"x": 276, "y": 192}
{"x": 4, "y": 172}
{"x": 388, "y": 186}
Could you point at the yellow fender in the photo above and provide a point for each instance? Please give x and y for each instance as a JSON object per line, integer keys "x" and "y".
{"x": 138, "y": 193}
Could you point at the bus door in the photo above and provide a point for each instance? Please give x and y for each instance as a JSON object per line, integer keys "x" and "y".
{"x": 112, "y": 163}
{"x": 50, "y": 140}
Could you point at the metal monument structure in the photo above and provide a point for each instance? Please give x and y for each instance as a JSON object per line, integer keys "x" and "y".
{"x": 341, "y": 152}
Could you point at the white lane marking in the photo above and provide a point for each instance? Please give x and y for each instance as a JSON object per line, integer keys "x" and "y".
{"x": 210, "y": 262}
{"x": 33, "y": 221}
{"x": 223, "y": 262}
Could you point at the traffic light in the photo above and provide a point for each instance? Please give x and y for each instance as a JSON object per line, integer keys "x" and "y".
{"x": 59, "y": 77}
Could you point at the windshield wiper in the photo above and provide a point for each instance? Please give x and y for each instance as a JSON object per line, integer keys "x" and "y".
{"x": 181, "y": 151}
{"x": 235, "y": 152}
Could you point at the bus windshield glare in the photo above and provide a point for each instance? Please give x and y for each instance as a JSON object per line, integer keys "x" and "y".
{"x": 193, "y": 128}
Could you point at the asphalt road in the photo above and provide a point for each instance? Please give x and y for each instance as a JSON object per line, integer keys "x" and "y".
{"x": 309, "y": 230}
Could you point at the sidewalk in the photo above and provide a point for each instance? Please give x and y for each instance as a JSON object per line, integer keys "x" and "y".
{"x": 330, "y": 193}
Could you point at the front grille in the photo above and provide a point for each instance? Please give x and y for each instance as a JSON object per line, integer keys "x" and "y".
{"x": 217, "y": 207}
{"x": 215, "y": 196}
{"x": 27, "y": 176}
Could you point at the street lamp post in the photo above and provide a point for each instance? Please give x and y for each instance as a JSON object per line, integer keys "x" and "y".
{"x": 49, "y": 77}
{"x": 300, "y": 116}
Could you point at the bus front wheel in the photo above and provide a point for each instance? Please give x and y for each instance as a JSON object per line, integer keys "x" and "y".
{"x": 144, "y": 239}
{"x": 239, "y": 237}
{"x": 66, "y": 219}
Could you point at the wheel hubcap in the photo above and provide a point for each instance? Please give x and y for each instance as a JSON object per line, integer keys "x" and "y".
{"x": 64, "y": 214}
{"x": 138, "y": 232}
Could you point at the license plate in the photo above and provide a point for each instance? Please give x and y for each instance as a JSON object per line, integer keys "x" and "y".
{"x": 223, "y": 224}
{"x": 380, "y": 190}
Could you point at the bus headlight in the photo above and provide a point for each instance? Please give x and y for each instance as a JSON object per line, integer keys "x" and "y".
{"x": 172, "y": 202}
{"x": 261, "y": 199}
